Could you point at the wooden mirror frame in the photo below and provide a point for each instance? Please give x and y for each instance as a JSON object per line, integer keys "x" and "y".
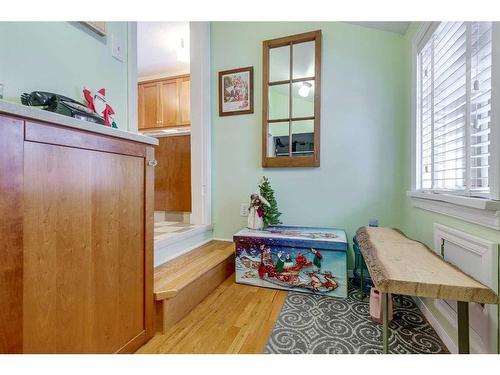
{"x": 292, "y": 161}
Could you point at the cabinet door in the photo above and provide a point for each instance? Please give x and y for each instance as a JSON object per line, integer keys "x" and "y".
{"x": 169, "y": 103}
{"x": 149, "y": 111}
{"x": 173, "y": 174}
{"x": 84, "y": 263}
{"x": 185, "y": 100}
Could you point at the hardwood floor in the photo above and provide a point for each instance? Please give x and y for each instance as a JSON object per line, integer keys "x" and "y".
{"x": 233, "y": 319}
{"x": 184, "y": 282}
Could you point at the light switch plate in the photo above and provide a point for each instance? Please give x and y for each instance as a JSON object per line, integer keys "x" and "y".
{"x": 116, "y": 47}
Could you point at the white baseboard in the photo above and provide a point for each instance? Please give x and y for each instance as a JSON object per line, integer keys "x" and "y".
{"x": 223, "y": 239}
{"x": 167, "y": 250}
{"x": 443, "y": 335}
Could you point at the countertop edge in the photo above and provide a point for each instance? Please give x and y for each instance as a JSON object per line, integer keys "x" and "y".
{"x": 36, "y": 114}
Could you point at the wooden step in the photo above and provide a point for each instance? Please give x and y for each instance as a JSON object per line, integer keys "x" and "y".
{"x": 185, "y": 281}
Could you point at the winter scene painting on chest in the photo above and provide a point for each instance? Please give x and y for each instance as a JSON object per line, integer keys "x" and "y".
{"x": 303, "y": 259}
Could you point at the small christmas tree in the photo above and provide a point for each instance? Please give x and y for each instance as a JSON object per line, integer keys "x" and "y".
{"x": 271, "y": 213}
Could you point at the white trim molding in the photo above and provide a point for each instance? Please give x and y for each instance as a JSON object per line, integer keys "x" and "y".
{"x": 182, "y": 243}
{"x": 494, "y": 175}
{"x": 434, "y": 322}
{"x": 480, "y": 211}
{"x": 133, "y": 121}
{"x": 201, "y": 162}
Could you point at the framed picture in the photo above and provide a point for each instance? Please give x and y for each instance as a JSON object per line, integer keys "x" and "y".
{"x": 236, "y": 91}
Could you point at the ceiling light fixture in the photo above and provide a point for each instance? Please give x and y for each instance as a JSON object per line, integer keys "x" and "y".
{"x": 183, "y": 52}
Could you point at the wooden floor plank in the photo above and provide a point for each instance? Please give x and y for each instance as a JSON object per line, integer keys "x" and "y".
{"x": 234, "y": 318}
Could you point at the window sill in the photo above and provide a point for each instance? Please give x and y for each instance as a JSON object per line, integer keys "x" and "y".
{"x": 480, "y": 211}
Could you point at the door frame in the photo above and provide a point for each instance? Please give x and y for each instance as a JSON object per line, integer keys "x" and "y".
{"x": 201, "y": 123}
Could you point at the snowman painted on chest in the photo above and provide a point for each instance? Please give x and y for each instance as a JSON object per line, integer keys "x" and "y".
{"x": 97, "y": 103}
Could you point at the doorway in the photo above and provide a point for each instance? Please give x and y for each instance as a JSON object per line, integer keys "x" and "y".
{"x": 169, "y": 110}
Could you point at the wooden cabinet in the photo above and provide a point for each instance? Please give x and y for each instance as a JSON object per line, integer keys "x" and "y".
{"x": 169, "y": 102}
{"x": 149, "y": 105}
{"x": 76, "y": 270}
{"x": 164, "y": 102}
{"x": 185, "y": 101}
{"x": 173, "y": 174}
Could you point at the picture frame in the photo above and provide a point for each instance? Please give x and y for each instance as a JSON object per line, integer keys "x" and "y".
{"x": 236, "y": 91}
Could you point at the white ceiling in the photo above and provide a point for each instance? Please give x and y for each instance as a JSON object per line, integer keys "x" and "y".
{"x": 393, "y": 27}
{"x": 157, "y": 45}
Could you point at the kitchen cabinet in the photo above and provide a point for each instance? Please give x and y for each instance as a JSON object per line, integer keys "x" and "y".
{"x": 149, "y": 110}
{"x": 185, "y": 101}
{"x": 173, "y": 174}
{"x": 76, "y": 239}
{"x": 164, "y": 102}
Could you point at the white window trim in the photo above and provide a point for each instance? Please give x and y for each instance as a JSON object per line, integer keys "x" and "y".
{"x": 481, "y": 211}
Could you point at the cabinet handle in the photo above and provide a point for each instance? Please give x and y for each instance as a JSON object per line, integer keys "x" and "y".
{"x": 152, "y": 163}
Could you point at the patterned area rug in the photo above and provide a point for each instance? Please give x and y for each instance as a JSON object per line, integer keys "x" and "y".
{"x": 316, "y": 324}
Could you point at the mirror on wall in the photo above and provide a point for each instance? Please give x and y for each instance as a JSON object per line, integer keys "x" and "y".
{"x": 291, "y": 101}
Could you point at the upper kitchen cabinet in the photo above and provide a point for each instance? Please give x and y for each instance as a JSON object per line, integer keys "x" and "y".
{"x": 169, "y": 103}
{"x": 185, "y": 100}
{"x": 149, "y": 113}
{"x": 164, "y": 102}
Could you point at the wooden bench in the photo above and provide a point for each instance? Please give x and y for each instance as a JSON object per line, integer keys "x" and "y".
{"x": 400, "y": 265}
{"x": 183, "y": 282}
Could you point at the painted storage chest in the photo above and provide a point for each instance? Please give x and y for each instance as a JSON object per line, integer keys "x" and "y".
{"x": 306, "y": 259}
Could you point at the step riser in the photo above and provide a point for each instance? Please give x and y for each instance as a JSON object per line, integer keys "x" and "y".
{"x": 171, "y": 311}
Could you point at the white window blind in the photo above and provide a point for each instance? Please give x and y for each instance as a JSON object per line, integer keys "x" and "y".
{"x": 453, "y": 109}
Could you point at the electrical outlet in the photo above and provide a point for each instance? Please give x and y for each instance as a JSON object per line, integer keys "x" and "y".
{"x": 244, "y": 209}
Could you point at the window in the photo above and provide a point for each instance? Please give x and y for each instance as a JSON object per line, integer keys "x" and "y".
{"x": 453, "y": 106}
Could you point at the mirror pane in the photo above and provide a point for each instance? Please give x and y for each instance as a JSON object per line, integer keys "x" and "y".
{"x": 279, "y": 102}
{"x": 279, "y": 64}
{"x": 278, "y": 139}
{"x": 303, "y": 138}
{"x": 303, "y": 59}
{"x": 303, "y": 99}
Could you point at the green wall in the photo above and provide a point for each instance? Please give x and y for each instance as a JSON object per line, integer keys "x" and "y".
{"x": 62, "y": 57}
{"x": 417, "y": 223}
{"x": 362, "y": 124}
{"x": 365, "y": 137}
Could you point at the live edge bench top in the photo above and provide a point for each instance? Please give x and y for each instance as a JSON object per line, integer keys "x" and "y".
{"x": 400, "y": 265}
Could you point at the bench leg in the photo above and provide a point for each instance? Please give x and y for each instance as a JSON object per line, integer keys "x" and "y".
{"x": 463, "y": 327}
{"x": 385, "y": 321}
{"x": 362, "y": 279}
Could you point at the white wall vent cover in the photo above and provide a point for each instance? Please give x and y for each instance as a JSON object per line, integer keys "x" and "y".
{"x": 478, "y": 258}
